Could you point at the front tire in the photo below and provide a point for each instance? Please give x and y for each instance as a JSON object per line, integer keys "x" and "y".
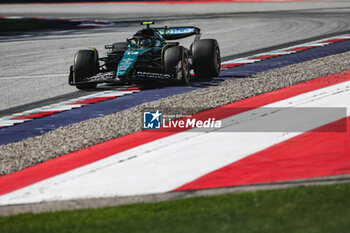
{"x": 176, "y": 64}
{"x": 206, "y": 58}
{"x": 85, "y": 65}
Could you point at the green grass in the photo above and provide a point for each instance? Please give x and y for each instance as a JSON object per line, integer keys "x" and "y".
{"x": 302, "y": 209}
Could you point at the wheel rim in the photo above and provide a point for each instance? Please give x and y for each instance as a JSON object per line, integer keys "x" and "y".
{"x": 217, "y": 60}
{"x": 185, "y": 70}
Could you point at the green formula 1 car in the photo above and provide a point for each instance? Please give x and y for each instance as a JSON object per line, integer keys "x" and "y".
{"x": 148, "y": 57}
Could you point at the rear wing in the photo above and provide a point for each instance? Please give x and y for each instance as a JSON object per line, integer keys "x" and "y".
{"x": 175, "y": 33}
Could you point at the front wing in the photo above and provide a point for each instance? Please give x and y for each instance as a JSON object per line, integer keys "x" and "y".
{"x": 110, "y": 77}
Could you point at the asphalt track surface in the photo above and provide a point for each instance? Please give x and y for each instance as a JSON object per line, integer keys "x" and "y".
{"x": 34, "y": 66}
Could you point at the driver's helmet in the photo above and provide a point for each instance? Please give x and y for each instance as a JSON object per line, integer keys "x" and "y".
{"x": 146, "y": 43}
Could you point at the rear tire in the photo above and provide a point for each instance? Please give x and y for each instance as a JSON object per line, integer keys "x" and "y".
{"x": 85, "y": 65}
{"x": 176, "y": 64}
{"x": 206, "y": 58}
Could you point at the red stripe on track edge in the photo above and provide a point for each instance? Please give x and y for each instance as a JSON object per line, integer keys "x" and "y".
{"x": 34, "y": 115}
{"x": 317, "y": 153}
{"x": 335, "y": 40}
{"x": 92, "y": 100}
{"x": 231, "y": 65}
{"x": 267, "y": 56}
{"x": 68, "y": 162}
{"x": 302, "y": 48}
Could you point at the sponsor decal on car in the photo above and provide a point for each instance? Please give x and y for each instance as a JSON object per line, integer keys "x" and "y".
{"x": 132, "y": 53}
{"x": 141, "y": 74}
{"x": 100, "y": 77}
{"x": 174, "y": 31}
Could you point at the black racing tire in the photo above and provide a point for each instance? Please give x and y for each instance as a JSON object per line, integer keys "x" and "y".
{"x": 173, "y": 57}
{"x": 85, "y": 65}
{"x": 206, "y": 58}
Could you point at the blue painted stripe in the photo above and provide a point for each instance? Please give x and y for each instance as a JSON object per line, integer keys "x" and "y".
{"x": 42, "y": 125}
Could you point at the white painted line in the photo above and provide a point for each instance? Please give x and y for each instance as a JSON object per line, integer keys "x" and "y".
{"x": 320, "y": 44}
{"x": 245, "y": 60}
{"x": 12, "y": 122}
{"x": 76, "y": 105}
{"x": 13, "y": 17}
{"x": 116, "y": 94}
{"x": 61, "y": 108}
{"x": 6, "y": 124}
{"x": 277, "y": 53}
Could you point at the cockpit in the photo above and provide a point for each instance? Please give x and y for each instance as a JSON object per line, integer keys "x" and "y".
{"x": 146, "y": 38}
